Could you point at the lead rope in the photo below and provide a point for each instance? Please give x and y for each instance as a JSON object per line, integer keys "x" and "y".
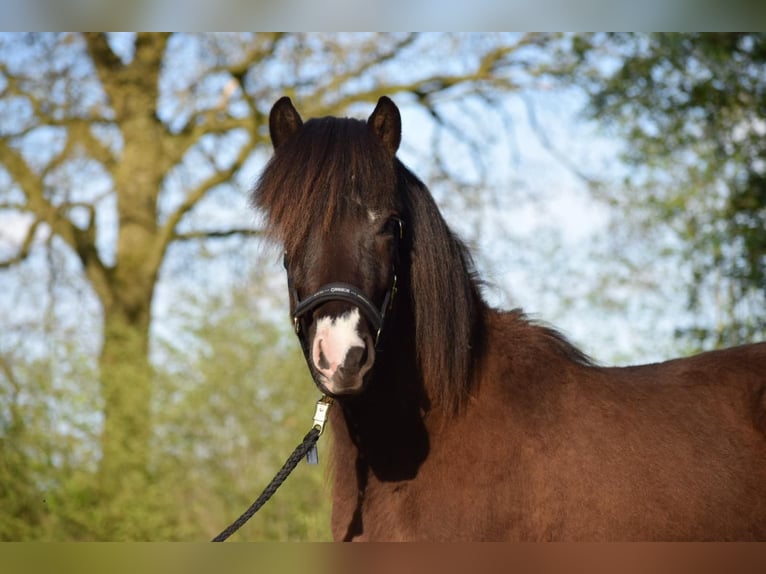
{"x": 306, "y": 448}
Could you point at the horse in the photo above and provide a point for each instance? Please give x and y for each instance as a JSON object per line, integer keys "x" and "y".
{"x": 456, "y": 421}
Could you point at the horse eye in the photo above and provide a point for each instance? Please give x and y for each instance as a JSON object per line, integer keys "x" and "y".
{"x": 393, "y": 226}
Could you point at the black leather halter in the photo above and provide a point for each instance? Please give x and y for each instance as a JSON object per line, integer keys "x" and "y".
{"x": 348, "y": 293}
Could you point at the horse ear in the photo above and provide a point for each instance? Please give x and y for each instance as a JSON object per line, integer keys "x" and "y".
{"x": 386, "y": 123}
{"x": 284, "y": 121}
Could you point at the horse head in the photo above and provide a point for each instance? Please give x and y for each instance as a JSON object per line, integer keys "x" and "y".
{"x": 330, "y": 196}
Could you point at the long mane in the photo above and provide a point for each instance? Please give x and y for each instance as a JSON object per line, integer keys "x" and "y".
{"x": 448, "y": 309}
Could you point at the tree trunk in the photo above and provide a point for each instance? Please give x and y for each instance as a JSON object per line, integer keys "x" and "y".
{"x": 126, "y": 390}
{"x": 125, "y": 369}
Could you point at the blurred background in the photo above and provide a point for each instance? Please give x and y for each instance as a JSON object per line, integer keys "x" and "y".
{"x": 613, "y": 185}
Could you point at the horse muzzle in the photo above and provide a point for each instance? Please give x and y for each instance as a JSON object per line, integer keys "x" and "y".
{"x": 340, "y": 348}
{"x": 341, "y": 353}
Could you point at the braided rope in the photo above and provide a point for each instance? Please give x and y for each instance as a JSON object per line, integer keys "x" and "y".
{"x": 292, "y": 461}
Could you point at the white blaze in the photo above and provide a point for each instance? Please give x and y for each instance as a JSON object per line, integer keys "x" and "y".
{"x": 334, "y": 337}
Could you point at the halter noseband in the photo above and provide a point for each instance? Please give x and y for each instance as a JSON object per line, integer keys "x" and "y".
{"x": 350, "y": 294}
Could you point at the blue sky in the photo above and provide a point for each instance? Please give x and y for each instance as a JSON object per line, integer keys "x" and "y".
{"x": 537, "y": 233}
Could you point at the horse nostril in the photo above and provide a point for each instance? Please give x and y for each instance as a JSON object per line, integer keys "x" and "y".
{"x": 356, "y": 357}
{"x": 323, "y": 363}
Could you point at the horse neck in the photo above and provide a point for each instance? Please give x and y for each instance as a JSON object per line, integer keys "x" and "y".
{"x": 397, "y": 385}
{"x": 388, "y": 423}
{"x": 385, "y": 424}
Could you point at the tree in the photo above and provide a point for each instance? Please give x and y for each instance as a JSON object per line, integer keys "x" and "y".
{"x": 116, "y": 149}
{"x": 231, "y": 398}
{"x": 692, "y": 108}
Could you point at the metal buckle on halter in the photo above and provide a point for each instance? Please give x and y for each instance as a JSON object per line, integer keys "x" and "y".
{"x": 320, "y": 414}
{"x": 393, "y": 291}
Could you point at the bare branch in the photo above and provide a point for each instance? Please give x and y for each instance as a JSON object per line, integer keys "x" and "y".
{"x": 104, "y": 59}
{"x": 222, "y": 234}
{"x": 201, "y": 124}
{"x": 80, "y": 132}
{"x": 560, "y": 156}
{"x": 426, "y": 89}
{"x": 77, "y": 128}
{"x": 215, "y": 120}
{"x": 29, "y": 183}
{"x": 81, "y": 241}
{"x": 11, "y": 205}
{"x": 377, "y": 60}
{"x": 168, "y": 230}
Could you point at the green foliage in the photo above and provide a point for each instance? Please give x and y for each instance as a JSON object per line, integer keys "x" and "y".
{"x": 19, "y": 498}
{"x": 232, "y": 402}
{"x": 693, "y": 110}
{"x": 47, "y": 439}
